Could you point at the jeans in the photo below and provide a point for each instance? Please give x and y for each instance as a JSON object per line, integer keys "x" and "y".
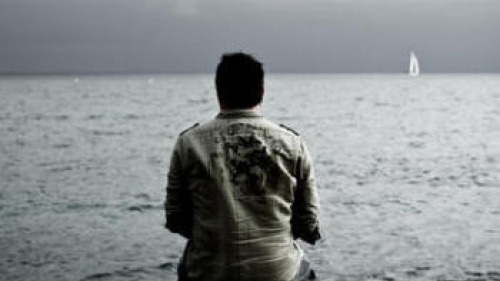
{"x": 305, "y": 273}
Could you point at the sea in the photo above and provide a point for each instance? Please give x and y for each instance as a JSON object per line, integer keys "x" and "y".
{"x": 407, "y": 170}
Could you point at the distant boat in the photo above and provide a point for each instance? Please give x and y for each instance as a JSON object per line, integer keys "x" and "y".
{"x": 414, "y": 69}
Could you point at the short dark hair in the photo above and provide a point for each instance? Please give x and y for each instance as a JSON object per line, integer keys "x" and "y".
{"x": 239, "y": 81}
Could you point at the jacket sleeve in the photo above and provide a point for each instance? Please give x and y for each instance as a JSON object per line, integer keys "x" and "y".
{"x": 305, "y": 207}
{"x": 178, "y": 212}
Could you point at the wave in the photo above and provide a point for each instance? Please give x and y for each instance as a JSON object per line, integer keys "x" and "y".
{"x": 131, "y": 272}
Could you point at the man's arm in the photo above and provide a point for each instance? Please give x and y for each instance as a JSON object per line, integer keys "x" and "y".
{"x": 178, "y": 213}
{"x": 305, "y": 207}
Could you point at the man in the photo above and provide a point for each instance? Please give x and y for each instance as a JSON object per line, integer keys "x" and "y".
{"x": 240, "y": 188}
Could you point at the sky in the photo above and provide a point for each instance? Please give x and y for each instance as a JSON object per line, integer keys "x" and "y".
{"x": 289, "y": 36}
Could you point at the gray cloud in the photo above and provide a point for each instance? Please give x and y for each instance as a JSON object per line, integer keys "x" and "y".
{"x": 290, "y": 36}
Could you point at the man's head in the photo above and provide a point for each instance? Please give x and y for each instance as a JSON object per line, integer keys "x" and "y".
{"x": 239, "y": 81}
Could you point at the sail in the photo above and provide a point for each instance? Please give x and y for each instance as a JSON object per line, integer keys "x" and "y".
{"x": 414, "y": 69}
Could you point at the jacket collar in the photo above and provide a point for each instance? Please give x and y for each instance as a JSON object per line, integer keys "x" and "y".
{"x": 239, "y": 113}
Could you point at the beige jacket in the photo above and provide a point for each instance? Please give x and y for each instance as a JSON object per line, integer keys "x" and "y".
{"x": 241, "y": 189}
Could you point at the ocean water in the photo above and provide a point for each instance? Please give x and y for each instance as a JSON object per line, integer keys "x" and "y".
{"x": 408, "y": 172}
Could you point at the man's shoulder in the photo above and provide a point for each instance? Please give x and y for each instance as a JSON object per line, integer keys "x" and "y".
{"x": 198, "y": 127}
{"x": 190, "y": 128}
{"x": 287, "y": 128}
{"x": 270, "y": 126}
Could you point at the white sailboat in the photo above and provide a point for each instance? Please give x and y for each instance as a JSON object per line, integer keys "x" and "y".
{"x": 414, "y": 69}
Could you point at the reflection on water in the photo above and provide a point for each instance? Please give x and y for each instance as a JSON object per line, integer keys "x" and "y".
{"x": 408, "y": 172}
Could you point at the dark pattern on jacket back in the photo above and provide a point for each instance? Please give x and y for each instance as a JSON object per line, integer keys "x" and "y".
{"x": 249, "y": 159}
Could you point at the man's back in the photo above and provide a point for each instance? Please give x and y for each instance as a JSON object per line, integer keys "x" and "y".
{"x": 236, "y": 184}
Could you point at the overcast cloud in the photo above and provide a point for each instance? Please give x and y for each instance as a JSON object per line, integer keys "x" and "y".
{"x": 290, "y": 36}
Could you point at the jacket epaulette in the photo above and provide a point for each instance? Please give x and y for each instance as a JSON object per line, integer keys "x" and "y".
{"x": 290, "y": 129}
{"x": 190, "y": 128}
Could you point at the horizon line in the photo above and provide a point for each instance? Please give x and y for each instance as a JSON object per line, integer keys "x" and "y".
{"x": 159, "y": 73}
